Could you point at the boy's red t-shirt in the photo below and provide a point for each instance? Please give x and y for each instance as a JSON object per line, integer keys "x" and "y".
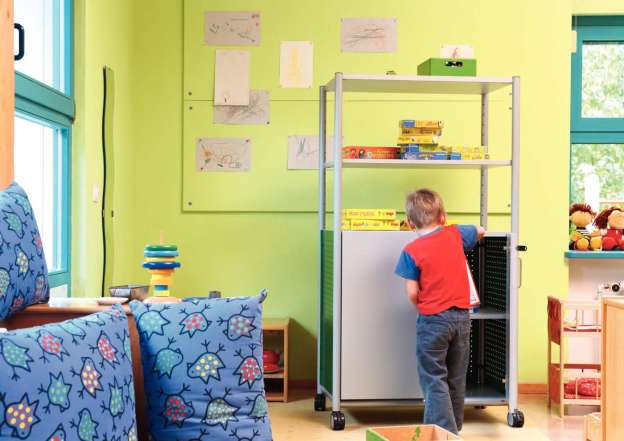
{"x": 441, "y": 263}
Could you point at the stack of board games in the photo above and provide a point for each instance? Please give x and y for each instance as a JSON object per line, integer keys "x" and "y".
{"x": 364, "y": 219}
{"x": 418, "y": 139}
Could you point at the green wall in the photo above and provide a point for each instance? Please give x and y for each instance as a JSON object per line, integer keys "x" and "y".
{"x": 239, "y": 253}
{"x": 103, "y": 37}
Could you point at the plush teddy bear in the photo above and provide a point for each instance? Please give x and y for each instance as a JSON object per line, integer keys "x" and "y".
{"x": 581, "y": 239}
{"x": 611, "y": 221}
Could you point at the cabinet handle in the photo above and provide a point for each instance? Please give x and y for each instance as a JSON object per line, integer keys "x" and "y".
{"x": 21, "y": 41}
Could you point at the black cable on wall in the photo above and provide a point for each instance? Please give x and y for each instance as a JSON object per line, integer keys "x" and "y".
{"x": 103, "y": 212}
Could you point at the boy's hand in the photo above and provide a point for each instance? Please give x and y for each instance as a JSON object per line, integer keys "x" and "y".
{"x": 480, "y": 233}
{"x": 412, "y": 288}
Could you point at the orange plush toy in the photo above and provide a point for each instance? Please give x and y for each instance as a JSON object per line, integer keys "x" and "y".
{"x": 611, "y": 221}
{"x": 581, "y": 216}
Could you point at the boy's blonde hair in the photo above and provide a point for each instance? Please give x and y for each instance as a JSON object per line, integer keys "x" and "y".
{"x": 424, "y": 207}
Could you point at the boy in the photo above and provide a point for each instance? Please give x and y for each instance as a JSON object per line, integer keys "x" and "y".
{"x": 434, "y": 266}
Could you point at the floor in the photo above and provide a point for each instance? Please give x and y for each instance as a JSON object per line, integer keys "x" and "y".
{"x": 296, "y": 420}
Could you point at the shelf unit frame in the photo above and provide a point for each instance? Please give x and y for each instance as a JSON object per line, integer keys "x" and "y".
{"x": 343, "y": 83}
{"x": 558, "y": 334}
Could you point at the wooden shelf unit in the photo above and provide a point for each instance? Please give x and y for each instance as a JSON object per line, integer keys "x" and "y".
{"x": 275, "y": 333}
{"x": 611, "y": 375}
{"x": 559, "y": 330}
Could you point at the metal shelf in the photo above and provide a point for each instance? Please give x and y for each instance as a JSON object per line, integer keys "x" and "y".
{"x": 482, "y": 394}
{"x": 444, "y": 85}
{"x": 432, "y": 164}
{"x": 488, "y": 314}
{"x": 499, "y": 329}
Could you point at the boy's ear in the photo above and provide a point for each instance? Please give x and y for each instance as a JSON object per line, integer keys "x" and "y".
{"x": 443, "y": 219}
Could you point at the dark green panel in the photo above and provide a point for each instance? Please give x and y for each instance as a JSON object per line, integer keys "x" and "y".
{"x": 327, "y": 244}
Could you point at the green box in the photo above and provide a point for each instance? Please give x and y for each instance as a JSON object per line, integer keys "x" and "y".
{"x": 422, "y": 432}
{"x": 465, "y": 67}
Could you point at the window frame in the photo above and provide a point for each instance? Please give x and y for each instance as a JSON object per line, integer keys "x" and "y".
{"x": 51, "y": 107}
{"x": 593, "y": 29}
{"x": 591, "y": 130}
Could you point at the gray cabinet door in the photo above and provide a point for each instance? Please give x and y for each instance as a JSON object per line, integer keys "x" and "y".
{"x": 378, "y": 321}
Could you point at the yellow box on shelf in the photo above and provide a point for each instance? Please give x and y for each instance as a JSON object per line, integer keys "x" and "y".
{"x": 369, "y": 213}
{"x": 468, "y": 153}
{"x": 420, "y": 123}
{"x": 411, "y": 131}
{"x": 375, "y": 225}
{"x": 417, "y": 139}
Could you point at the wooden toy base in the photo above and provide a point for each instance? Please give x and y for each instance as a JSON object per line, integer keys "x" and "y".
{"x": 154, "y": 300}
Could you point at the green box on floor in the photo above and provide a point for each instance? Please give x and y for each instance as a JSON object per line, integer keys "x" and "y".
{"x": 421, "y": 432}
{"x": 465, "y": 67}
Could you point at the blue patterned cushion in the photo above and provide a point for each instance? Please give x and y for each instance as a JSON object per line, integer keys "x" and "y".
{"x": 23, "y": 271}
{"x": 202, "y": 365}
{"x": 68, "y": 381}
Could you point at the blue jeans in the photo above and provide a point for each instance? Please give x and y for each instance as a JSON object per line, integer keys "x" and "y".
{"x": 443, "y": 352}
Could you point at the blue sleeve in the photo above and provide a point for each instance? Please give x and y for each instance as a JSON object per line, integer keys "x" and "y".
{"x": 406, "y": 267}
{"x": 468, "y": 235}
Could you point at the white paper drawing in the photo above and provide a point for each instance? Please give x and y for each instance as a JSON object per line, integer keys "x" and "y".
{"x": 303, "y": 151}
{"x": 296, "y": 64}
{"x": 257, "y": 112}
{"x": 369, "y": 35}
{"x": 239, "y": 28}
{"x": 223, "y": 154}
{"x": 456, "y": 51}
{"x": 231, "y": 84}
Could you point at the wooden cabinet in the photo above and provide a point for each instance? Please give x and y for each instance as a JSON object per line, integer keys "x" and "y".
{"x": 275, "y": 333}
{"x": 612, "y": 362}
{"x": 7, "y": 93}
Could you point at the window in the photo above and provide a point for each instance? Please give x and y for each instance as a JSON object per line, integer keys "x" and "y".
{"x": 44, "y": 110}
{"x": 597, "y": 113}
{"x": 44, "y": 23}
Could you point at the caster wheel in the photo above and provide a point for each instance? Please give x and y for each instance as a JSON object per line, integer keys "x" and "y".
{"x": 479, "y": 407}
{"x": 319, "y": 403}
{"x": 337, "y": 421}
{"x": 515, "y": 418}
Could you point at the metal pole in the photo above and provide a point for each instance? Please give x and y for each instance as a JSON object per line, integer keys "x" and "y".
{"x": 513, "y": 267}
{"x": 485, "y": 113}
{"x": 337, "y": 300}
{"x": 322, "y": 121}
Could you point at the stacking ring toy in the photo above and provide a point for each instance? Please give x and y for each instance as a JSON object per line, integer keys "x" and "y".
{"x": 160, "y": 263}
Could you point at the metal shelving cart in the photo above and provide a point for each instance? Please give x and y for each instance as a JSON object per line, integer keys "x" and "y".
{"x": 366, "y": 350}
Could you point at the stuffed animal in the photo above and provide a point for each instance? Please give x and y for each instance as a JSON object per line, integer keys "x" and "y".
{"x": 611, "y": 221}
{"x": 581, "y": 239}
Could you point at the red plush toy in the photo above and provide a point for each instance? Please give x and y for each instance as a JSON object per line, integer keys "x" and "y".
{"x": 583, "y": 387}
{"x": 612, "y": 220}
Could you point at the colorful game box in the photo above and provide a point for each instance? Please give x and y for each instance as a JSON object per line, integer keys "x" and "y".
{"x": 375, "y": 225}
{"x": 369, "y": 213}
{"x": 417, "y": 139}
{"x": 364, "y": 152}
{"x": 412, "y": 131}
{"x": 420, "y": 123}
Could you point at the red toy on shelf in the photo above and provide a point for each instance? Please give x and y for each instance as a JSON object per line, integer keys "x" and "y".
{"x": 612, "y": 220}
